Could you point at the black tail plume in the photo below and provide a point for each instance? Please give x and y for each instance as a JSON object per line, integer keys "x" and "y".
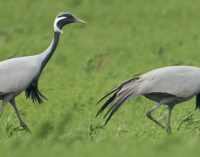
{"x": 106, "y": 104}
{"x": 117, "y": 99}
{"x": 109, "y": 93}
{"x": 33, "y": 93}
{"x": 198, "y": 101}
{"x": 115, "y": 106}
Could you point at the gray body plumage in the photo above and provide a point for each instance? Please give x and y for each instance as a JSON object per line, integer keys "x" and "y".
{"x": 17, "y": 73}
{"x": 180, "y": 81}
{"x": 169, "y": 85}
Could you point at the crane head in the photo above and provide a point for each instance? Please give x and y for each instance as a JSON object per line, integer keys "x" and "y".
{"x": 65, "y": 18}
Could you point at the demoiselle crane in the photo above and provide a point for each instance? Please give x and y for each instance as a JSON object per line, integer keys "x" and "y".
{"x": 22, "y": 74}
{"x": 167, "y": 86}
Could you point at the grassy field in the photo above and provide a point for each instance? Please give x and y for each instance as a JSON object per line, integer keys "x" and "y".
{"x": 122, "y": 39}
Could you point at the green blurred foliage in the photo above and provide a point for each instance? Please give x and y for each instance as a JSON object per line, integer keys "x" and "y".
{"x": 122, "y": 39}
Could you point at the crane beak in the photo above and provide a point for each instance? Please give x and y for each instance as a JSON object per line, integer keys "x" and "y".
{"x": 80, "y": 21}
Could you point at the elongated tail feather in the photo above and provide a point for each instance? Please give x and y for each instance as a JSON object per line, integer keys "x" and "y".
{"x": 109, "y": 93}
{"x": 106, "y": 104}
{"x": 198, "y": 101}
{"x": 33, "y": 93}
{"x": 116, "y": 89}
{"x": 115, "y": 107}
{"x": 121, "y": 94}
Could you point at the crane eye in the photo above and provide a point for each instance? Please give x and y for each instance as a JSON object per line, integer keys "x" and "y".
{"x": 69, "y": 16}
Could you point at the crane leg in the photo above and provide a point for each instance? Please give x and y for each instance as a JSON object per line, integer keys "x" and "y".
{"x": 148, "y": 114}
{"x": 5, "y": 100}
{"x": 12, "y": 101}
{"x": 2, "y": 107}
{"x": 168, "y": 127}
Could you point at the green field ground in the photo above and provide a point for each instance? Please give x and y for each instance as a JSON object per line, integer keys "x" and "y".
{"x": 123, "y": 39}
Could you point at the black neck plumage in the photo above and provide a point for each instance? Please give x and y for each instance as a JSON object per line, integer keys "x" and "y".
{"x": 51, "y": 49}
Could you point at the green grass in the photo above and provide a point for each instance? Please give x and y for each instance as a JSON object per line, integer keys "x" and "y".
{"x": 122, "y": 39}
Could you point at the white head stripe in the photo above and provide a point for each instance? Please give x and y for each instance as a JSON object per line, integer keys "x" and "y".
{"x": 56, "y": 29}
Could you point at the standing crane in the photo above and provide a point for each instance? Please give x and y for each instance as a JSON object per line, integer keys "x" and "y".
{"x": 22, "y": 74}
{"x": 167, "y": 86}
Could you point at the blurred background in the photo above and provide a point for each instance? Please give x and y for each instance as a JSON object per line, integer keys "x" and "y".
{"x": 122, "y": 39}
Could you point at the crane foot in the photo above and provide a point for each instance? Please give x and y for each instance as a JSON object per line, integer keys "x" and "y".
{"x": 168, "y": 130}
{"x": 25, "y": 127}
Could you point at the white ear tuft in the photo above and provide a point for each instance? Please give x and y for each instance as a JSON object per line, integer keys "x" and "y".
{"x": 56, "y": 29}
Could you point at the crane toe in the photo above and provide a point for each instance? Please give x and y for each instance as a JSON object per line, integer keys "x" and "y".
{"x": 25, "y": 127}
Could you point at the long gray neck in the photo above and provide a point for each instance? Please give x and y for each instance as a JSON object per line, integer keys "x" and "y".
{"x": 46, "y": 55}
